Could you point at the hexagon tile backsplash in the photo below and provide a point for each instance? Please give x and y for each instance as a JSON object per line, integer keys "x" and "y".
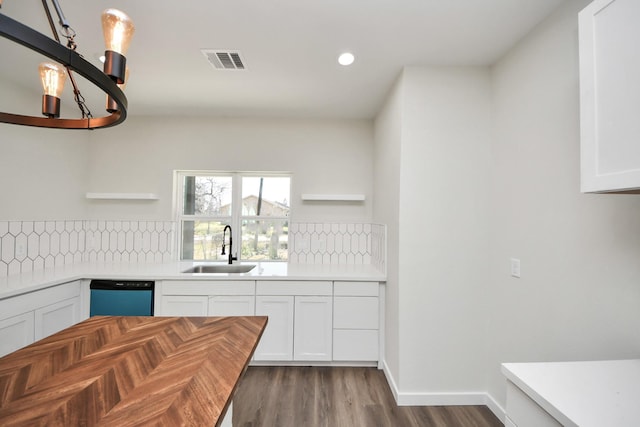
{"x": 337, "y": 243}
{"x": 34, "y": 245}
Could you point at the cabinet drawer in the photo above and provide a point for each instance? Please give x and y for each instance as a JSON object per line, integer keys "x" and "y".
{"x": 197, "y": 287}
{"x": 355, "y": 345}
{"x": 525, "y": 412}
{"x": 20, "y": 304}
{"x": 356, "y": 289}
{"x": 183, "y": 305}
{"x": 286, "y": 287}
{"x": 355, "y": 312}
{"x": 232, "y": 305}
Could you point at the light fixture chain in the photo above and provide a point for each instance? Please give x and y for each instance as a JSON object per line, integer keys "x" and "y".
{"x": 69, "y": 33}
{"x": 77, "y": 96}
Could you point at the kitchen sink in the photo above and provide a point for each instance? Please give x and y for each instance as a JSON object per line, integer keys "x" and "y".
{"x": 222, "y": 268}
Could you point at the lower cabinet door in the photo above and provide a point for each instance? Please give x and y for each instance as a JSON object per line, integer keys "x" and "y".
{"x": 313, "y": 328}
{"x": 355, "y": 312}
{"x": 56, "y": 317}
{"x": 16, "y": 332}
{"x": 227, "y": 305}
{"x": 183, "y": 305}
{"x": 277, "y": 340}
{"x": 355, "y": 345}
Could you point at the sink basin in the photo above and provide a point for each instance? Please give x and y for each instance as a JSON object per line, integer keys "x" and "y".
{"x": 222, "y": 268}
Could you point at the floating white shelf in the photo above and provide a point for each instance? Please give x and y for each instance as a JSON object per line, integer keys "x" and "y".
{"x": 122, "y": 196}
{"x": 334, "y": 197}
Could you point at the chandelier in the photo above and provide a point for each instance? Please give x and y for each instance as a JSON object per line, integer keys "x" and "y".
{"x": 117, "y": 29}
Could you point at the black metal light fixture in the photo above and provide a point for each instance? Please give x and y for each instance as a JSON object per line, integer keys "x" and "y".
{"x": 117, "y": 29}
{"x": 112, "y": 106}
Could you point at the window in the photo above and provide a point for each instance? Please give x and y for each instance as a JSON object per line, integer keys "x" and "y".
{"x": 256, "y": 206}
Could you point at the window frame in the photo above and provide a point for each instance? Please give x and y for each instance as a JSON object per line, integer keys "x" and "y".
{"x": 236, "y": 217}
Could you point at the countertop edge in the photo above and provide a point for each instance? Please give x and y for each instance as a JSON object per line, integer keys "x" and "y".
{"x": 535, "y": 396}
{"x": 24, "y": 283}
{"x": 586, "y": 393}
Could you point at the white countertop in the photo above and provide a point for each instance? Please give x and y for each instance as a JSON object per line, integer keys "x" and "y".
{"x": 585, "y": 394}
{"x": 28, "y": 282}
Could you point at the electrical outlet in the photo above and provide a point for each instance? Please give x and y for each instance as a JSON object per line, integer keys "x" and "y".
{"x": 515, "y": 267}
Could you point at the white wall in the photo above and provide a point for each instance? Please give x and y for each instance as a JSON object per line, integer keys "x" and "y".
{"x": 331, "y": 156}
{"x": 443, "y": 233}
{"x": 436, "y": 309}
{"x": 579, "y": 295}
{"x": 386, "y": 210}
{"x": 43, "y": 172}
{"x": 489, "y": 170}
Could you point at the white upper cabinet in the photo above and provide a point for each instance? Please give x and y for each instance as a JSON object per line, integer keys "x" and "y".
{"x": 610, "y": 95}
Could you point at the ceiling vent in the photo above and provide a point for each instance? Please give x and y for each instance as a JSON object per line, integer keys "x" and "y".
{"x": 224, "y": 59}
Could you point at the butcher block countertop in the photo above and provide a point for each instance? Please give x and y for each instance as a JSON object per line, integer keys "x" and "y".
{"x": 129, "y": 371}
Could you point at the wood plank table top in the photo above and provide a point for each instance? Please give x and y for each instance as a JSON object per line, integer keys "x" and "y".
{"x": 129, "y": 371}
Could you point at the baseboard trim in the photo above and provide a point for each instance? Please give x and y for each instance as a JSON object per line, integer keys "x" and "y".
{"x": 496, "y": 408}
{"x": 442, "y": 399}
{"x": 392, "y": 383}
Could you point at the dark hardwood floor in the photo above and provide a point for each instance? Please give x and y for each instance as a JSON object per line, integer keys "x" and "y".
{"x": 337, "y": 397}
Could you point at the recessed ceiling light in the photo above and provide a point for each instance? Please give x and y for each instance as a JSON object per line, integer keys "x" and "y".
{"x": 102, "y": 58}
{"x": 346, "y": 58}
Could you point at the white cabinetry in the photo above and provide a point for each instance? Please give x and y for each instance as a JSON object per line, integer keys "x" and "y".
{"x": 277, "y": 339}
{"x": 610, "y": 95}
{"x": 356, "y": 321}
{"x": 300, "y": 320}
{"x": 313, "y": 328}
{"x": 16, "y": 332}
{"x": 522, "y": 411}
{"x": 508, "y": 422}
{"x": 56, "y": 317}
{"x": 228, "y": 305}
{"x": 309, "y": 320}
{"x": 205, "y": 298}
{"x": 183, "y": 305}
{"x": 35, "y": 315}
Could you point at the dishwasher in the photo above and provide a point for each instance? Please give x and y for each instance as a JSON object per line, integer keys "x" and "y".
{"x": 121, "y": 298}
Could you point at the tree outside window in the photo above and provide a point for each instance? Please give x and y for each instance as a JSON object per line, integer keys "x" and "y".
{"x": 257, "y": 206}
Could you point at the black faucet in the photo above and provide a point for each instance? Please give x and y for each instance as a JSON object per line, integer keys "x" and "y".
{"x": 224, "y": 233}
